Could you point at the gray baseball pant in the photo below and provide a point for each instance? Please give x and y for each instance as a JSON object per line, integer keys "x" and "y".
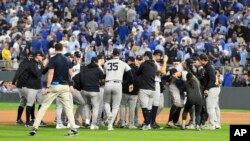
{"x": 161, "y": 104}
{"x": 32, "y": 95}
{"x": 146, "y": 98}
{"x": 213, "y": 106}
{"x": 112, "y": 93}
{"x": 78, "y": 99}
{"x": 157, "y": 93}
{"x": 22, "y": 96}
{"x": 101, "y": 105}
{"x": 131, "y": 100}
{"x": 91, "y": 99}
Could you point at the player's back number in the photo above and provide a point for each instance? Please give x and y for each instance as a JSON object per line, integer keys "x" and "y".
{"x": 112, "y": 66}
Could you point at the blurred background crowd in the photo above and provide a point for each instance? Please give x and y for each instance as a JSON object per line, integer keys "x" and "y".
{"x": 181, "y": 29}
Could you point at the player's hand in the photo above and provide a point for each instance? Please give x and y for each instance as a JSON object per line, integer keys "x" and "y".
{"x": 45, "y": 91}
{"x": 165, "y": 59}
{"x": 206, "y": 93}
{"x": 71, "y": 89}
{"x": 131, "y": 88}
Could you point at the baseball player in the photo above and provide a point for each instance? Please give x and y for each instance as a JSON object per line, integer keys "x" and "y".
{"x": 114, "y": 70}
{"x": 156, "y": 98}
{"x": 19, "y": 80}
{"x": 176, "y": 89}
{"x": 58, "y": 85}
{"x": 90, "y": 78}
{"x": 147, "y": 73}
{"x": 212, "y": 91}
{"x": 129, "y": 98}
{"x": 101, "y": 61}
{"x": 33, "y": 87}
{"x": 194, "y": 98}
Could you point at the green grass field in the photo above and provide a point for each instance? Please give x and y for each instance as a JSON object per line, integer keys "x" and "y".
{"x": 13, "y": 106}
{"x": 21, "y": 133}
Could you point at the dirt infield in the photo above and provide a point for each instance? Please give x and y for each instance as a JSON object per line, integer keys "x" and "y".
{"x": 9, "y": 117}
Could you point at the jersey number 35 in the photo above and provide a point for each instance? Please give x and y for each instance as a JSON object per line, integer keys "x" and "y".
{"x": 113, "y": 66}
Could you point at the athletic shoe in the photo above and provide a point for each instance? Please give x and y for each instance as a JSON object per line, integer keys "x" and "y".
{"x": 60, "y": 126}
{"x": 33, "y": 131}
{"x": 93, "y": 127}
{"x": 155, "y": 126}
{"x": 209, "y": 127}
{"x": 177, "y": 124}
{"x": 87, "y": 123}
{"x": 171, "y": 125}
{"x": 146, "y": 127}
{"x": 121, "y": 125}
{"x": 217, "y": 127}
{"x": 110, "y": 127}
{"x": 183, "y": 127}
{"x": 43, "y": 124}
{"x": 72, "y": 133}
{"x": 197, "y": 127}
{"x": 19, "y": 122}
{"x": 132, "y": 127}
{"x": 190, "y": 126}
{"x": 28, "y": 124}
{"x": 76, "y": 126}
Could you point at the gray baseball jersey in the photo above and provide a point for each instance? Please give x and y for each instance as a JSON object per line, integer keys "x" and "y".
{"x": 114, "y": 70}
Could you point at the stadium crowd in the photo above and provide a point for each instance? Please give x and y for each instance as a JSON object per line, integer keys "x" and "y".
{"x": 180, "y": 28}
{"x": 157, "y": 32}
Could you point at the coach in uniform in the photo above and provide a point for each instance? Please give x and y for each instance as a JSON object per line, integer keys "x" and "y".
{"x": 91, "y": 75}
{"x": 33, "y": 87}
{"x": 212, "y": 91}
{"x": 20, "y": 79}
{"x": 58, "y": 85}
{"x": 129, "y": 98}
{"x": 114, "y": 70}
{"x": 147, "y": 73}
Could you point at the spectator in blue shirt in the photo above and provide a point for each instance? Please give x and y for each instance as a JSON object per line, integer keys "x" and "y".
{"x": 89, "y": 54}
{"x": 36, "y": 44}
{"x": 123, "y": 32}
{"x": 108, "y": 20}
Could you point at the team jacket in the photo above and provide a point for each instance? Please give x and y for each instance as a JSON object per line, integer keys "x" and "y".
{"x": 126, "y": 82}
{"x": 146, "y": 73}
{"x": 209, "y": 76}
{"x": 35, "y": 72}
{"x": 21, "y": 76}
{"x": 89, "y": 78}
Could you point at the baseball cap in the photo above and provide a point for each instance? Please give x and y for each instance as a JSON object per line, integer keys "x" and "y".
{"x": 39, "y": 53}
{"x": 68, "y": 55}
{"x": 173, "y": 71}
{"x": 139, "y": 57}
{"x": 148, "y": 54}
{"x": 77, "y": 54}
{"x": 100, "y": 56}
{"x": 116, "y": 52}
{"x": 158, "y": 52}
{"x": 108, "y": 57}
{"x": 131, "y": 58}
{"x": 94, "y": 60}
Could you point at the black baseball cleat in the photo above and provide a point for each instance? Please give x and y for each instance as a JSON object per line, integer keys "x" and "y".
{"x": 33, "y": 131}
{"x": 72, "y": 133}
{"x": 19, "y": 122}
{"x": 43, "y": 124}
{"x": 155, "y": 126}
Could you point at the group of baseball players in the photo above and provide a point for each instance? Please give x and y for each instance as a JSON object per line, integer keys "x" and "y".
{"x": 107, "y": 84}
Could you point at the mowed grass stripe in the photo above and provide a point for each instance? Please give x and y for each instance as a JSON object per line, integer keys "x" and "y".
{"x": 20, "y": 133}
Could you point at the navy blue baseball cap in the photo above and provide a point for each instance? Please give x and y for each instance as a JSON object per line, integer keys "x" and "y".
{"x": 116, "y": 52}
{"x": 148, "y": 54}
{"x": 131, "y": 58}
